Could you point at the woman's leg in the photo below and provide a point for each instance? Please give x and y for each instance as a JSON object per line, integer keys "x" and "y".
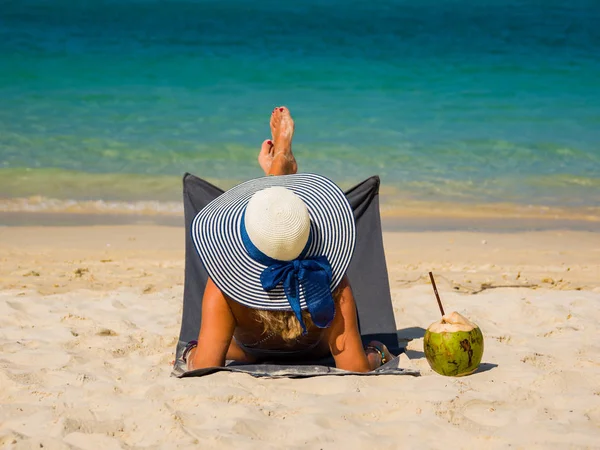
{"x": 276, "y": 157}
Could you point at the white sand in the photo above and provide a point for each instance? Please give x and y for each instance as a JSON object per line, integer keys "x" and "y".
{"x": 87, "y": 332}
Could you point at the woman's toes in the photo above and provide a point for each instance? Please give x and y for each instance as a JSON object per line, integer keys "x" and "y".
{"x": 265, "y": 157}
{"x": 266, "y": 146}
{"x": 274, "y": 122}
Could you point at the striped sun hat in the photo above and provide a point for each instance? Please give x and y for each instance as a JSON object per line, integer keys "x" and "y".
{"x": 278, "y": 243}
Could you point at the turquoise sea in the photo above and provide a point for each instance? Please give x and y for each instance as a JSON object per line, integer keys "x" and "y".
{"x": 447, "y": 100}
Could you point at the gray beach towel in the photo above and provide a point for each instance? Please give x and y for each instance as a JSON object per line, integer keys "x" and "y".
{"x": 367, "y": 274}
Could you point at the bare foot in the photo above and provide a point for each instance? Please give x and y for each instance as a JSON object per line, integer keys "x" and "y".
{"x": 265, "y": 157}
{"x": 282, "y": 130}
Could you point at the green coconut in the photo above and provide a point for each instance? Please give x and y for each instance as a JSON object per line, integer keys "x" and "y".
{"x": 454, "y": 345}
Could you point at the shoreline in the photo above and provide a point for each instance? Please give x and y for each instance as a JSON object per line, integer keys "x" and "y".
{"x": 41, "y": 196}
{"x": 406, "y": 220}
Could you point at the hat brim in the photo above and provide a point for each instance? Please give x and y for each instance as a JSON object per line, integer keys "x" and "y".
{"x": 216, "y": 235}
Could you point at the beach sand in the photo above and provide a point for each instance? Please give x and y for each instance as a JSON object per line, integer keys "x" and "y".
{"x": 89, "y": 319}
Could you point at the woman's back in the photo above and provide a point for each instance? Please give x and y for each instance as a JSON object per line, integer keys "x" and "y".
{"x": 267, "y": 334}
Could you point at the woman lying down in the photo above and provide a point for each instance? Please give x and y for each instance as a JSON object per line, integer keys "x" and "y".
{"x": 276, "y": 250}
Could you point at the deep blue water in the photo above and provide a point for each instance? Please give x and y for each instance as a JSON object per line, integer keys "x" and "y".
{"x": 446, "y": 100}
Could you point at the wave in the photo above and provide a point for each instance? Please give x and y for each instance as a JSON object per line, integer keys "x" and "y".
{"x": 38, "y": 204}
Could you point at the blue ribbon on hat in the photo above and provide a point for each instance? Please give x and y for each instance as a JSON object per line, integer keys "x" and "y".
{"x": 312, "y": 274}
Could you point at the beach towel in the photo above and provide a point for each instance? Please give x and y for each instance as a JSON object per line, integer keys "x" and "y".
{"x": 367, "y": 274}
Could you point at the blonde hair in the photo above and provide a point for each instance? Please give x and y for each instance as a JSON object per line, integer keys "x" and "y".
{"x": 284, "y": 323}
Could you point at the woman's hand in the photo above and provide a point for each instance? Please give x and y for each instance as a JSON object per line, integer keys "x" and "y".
{"x": 378, "y": 354}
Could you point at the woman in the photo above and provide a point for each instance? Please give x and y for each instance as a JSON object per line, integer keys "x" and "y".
{"x": 276, "y": 250}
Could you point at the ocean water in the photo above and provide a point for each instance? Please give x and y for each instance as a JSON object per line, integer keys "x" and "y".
{"x": 447, "y": 100}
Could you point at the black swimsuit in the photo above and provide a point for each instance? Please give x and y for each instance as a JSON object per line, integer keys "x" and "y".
{"x": 272, "y": 353}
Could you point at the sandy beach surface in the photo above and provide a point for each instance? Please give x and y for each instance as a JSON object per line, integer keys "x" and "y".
{"x": 90, "y": 315}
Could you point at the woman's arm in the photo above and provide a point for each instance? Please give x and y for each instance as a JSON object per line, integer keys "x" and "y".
{"x": 344, "y": 338}
{"x": 216, "y": 330}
